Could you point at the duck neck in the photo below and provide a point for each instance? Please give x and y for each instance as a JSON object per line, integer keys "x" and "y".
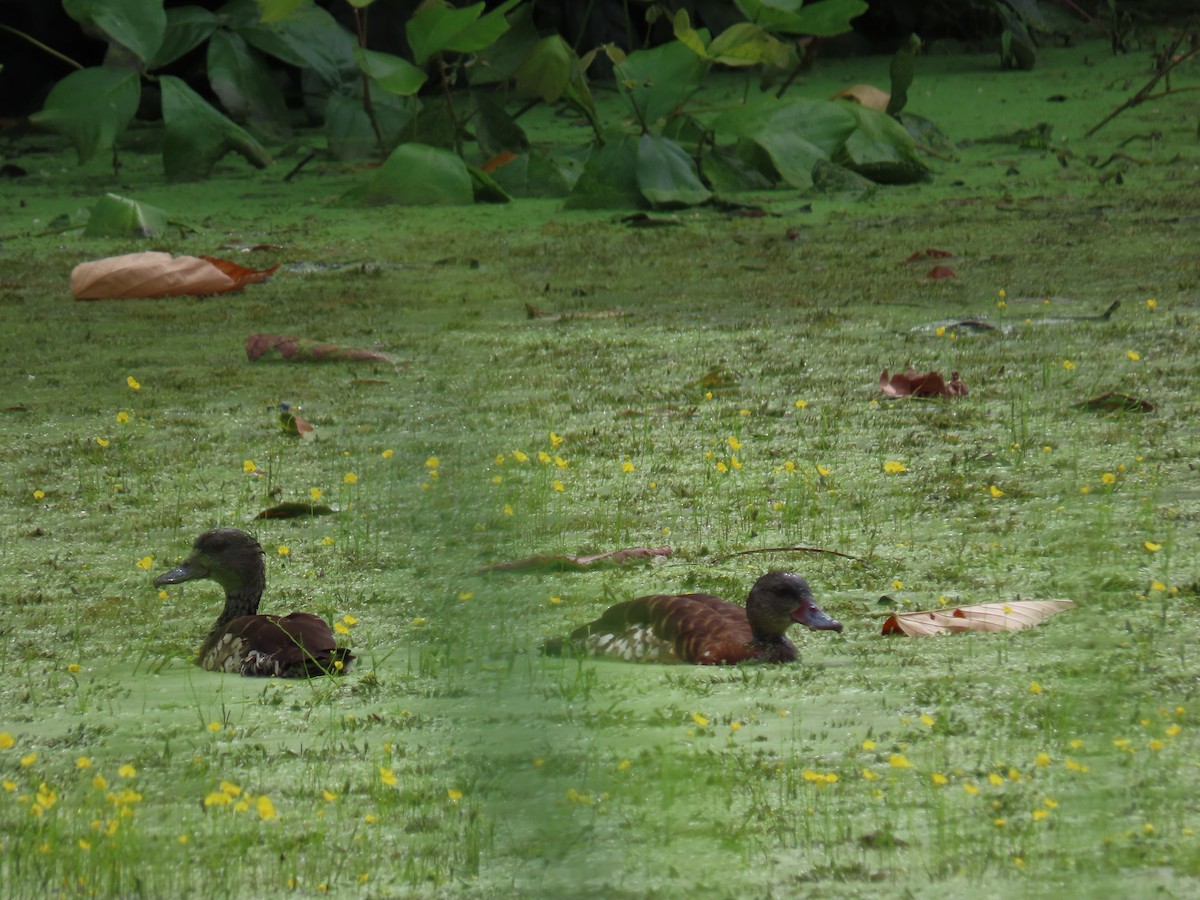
{"x": 774, "y": 648}
{"x": 242, "y": 599}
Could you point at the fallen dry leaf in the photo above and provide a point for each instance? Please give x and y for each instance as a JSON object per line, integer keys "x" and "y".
{"x": 153, "y": 274}
{"x": 865, "y": 95}
{"x": 916, "y": 384}
{"x": 575, "y": 563}
{"x": 1112, "y": 401}
{"x": 499, "y": 161}
{"x": 938, "y": 272}
{"x": 1012, "y": 616}
{"x": 296, "y": 509}
{"x": 929, "y": 253}
{"x": 294, "y": 349}
{"x": 292, "y": 422}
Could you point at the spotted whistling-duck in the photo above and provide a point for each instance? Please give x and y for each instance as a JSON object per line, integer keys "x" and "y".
{"x": 701, "y": 629}
{"x": 298, "y": 645}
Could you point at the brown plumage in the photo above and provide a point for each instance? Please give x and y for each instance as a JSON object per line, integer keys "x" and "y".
{"x": 299, "y": 645}
{"x": 702, "y": 629}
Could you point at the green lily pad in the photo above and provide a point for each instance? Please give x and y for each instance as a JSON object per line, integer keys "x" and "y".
{"x": 121, "y": 217}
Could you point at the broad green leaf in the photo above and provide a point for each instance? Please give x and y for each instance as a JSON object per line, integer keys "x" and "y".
{"x": 348, "y": 131}
{"x": 419, "y": 175}
{"x": 794, "y": 133}
{"x": 187, "y": 28}
{"x": 609, "y": 179}
{"x": 729, "y": 174}
{"x": 121, "y": 217}
{"x": 498, "y": 63}
{"x": 547, "y": 70}
{"x": 666, "y": 175}
{"x": 195, "y": 135}
{"x": 903, "y": 68}
{"x": 535, "y": 174}
{"x": 658, "y": 82}
{"x": 437, "y": 27}
{"x": 91, "y": 107}
{"x": 246, "y": 86}
{"x": 394, "y": 74}
{"x": 694, "y": 40}
{"x": 824, "y": 19}
{"x": 310, "y": 38}
{"x": 495, "y": 129}
{"x": 137, "y": 25}
{"x": 745, "y": 44}
{"x": 486, "y": 188}
{"x": 880, "y": 149}
{"x": 278, "y": 10}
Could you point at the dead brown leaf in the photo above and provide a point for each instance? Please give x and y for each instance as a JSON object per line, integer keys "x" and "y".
{"x": 576, "y": 563}
{"x": 916, "y": 384}
{"x": 294, "y": 349}
{"x": 865, "y": 95}
{"x": 153, "y": 274}
{"x": 1013, "y": 616}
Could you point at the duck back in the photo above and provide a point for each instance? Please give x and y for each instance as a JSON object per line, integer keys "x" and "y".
{"x": 688, "y": 628}
{"x": 298, "y": 645}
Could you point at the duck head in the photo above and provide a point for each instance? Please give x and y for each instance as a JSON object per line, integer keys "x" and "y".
{"x": 779, "y": 599}
{"x": 234, "y": 560}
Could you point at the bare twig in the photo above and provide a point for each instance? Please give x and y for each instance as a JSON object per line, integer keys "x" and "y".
{"x": 789, "y": 550}
{"x": 1172, "y": 60}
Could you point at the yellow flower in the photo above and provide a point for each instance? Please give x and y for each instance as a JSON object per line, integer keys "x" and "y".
{"x": 1050, "y": 804}
{"x": 1068, "y": 365}
{"x": 868, "y": 744}
{"x": 555, "y": 601}
{"x": 995, "y": 491}
{"x": 1155, "y": 744}
{"x": 1151, "y": 546}
{"x": 800, "y": 404}
{"x": 85, "y": 844}
{"x": 894, "y": 468}
{"x": 623, "y": 765}
{"x": 122, "y": 418}
{"x": 627, "y": 467}
{"x": 734, "y": 462}
{"x": 39, "y": 494}
{"x": 29, "y": 759}
{"x": 868, "y": 775}
{"x": 1108, "y": 478}
{"x": 1172, "y": 731}
{"x": 73, "y": 668}
{"x": 133, "y": 383}
{"x": 432, "y": 463}
{"x": 560, "y": 462}
{"x": 314, "y": 494}
{"x": 899, "y": 761}
{"x": 388, "y": 453}
{"x": 350, "y": 620}
{"x": 340, "y": 628}
{"x": 100, "y": 783}
{"x": 700, "y": 720}
{"x": 926, "y": 720}
{"x": 1157, "y": 585}
{"x": 940, "y": 330}
{"x": 1002, "y": 294}
{"x": 496, "y": 479}
{"x": 284, "y": 549}
{"x": 1042, "y": 759}
{"x": 971, "y": 789}
{"x": 1148, "y": 828}
{"x": 734, "y": 444}
{"x": 387, "y": 776}
{"x": 743, "y": 412}
{"x": 329, "y": 795}
{"x": 939, "y": 779}
{"x": 214, "y": 727}
{"x": 249, "y": 466}
{"x": 217, "y": 798}
{"x": 519, "y": 456}
{"x": 83, "y": 763}
{"x": 266, "y": 809}
{"x": 721, "y": 467}
{"x": 419, "y": 621}
{"x": 145, "y": 562}
{"x": 103, "y": 442}
{"x": 558, "y": 486}
{"x": 999, "y": 823}
{"x": 555, "y": 441}
{"x": 350, "y": 478}
{"x": 1133, "y": 355}
{"x": 823, "y": 471}
{"x": 897, "y": 584}
{"x": 995, "y": 780}
{"x": 127, "y": 771}
{"x": 6, "y": 741}
{"x": 735, "y": 726}
{"x": 454, "y": 794}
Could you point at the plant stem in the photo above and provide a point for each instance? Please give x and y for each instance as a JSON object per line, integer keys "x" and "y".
{"x": 1145, "y": 94}
{"x": 40, "y": 45}
{"x": 441, "y": 61}
{"x": 360, "y": 27}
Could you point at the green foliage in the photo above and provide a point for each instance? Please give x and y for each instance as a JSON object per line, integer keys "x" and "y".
{"x": 437, "y": 27}
{"x": 824, "y": 19}
{"x": 137, "y": 25}
{"x": 418, "y": 175}
{"x": 91, "y": 107}
{"x": 196, "y": 135}
{"x": 121, "y": 217}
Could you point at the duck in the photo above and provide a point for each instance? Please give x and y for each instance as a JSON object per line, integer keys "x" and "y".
{"x": 299, "y": 645}
{"x": 700, "y": 629}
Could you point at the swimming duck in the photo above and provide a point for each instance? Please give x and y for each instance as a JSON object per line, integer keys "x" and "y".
{"x": 701, "y": 629}
{"x": 299, "y": 645}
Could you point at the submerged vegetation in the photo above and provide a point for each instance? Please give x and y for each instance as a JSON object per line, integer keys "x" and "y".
{"x": 569, "y": 382}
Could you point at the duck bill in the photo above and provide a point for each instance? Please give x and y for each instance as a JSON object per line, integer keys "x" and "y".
{"x": 181, "y": 573}
{"x": 812, "y": 616}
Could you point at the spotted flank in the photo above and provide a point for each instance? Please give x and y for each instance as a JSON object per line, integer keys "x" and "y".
{"x": 225, "y": 655}
{"x": 638, "y": 643}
